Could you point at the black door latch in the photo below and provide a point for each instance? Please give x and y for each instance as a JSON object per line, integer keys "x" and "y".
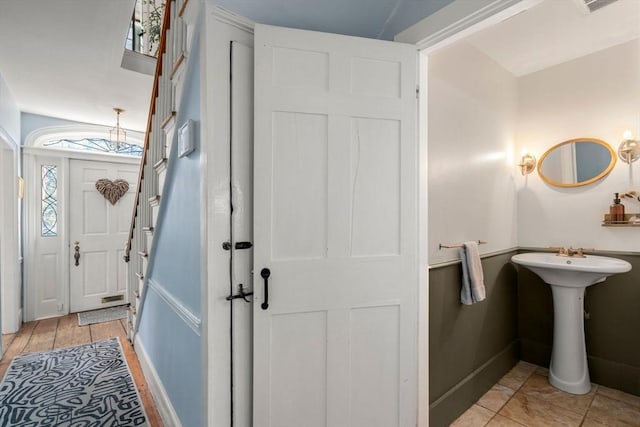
{"x": 241, "y": 294}
{"x": 239, "y": 245}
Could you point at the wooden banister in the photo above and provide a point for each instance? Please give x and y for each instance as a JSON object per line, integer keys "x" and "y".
{"x": 166, "y": 23}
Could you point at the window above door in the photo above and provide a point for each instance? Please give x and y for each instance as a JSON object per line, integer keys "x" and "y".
{"x": 85, "y": 138}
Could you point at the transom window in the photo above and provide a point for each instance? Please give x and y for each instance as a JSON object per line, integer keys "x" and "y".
{"x": 95, "y": 144}
{"x": 85, "y": 138}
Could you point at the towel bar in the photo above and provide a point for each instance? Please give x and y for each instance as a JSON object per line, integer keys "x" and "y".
{"x": 458, "y": 245}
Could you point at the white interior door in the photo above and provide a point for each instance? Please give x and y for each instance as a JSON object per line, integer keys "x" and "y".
{"x": 100, "y": 229}
{"x": 335, "y": 224}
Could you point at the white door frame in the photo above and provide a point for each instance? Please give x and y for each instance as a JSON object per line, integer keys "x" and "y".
{"x": 32, "y": 155}
{"x": 452, "y": 23}
{"x": 10, "y": 245}
{"x": 221, "y": 28}
{"x": 423, "y": 241}
{"x": 460, "y": 19}
{"x": 241, "y": 161}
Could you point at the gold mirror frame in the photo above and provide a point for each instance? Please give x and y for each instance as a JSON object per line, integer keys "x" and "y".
{"x": 609, "y": 168}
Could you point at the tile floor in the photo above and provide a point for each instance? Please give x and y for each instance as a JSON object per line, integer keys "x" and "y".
{"x": 524, "y": 397}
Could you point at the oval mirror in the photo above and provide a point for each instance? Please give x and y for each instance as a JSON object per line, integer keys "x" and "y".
{"x": 576, "y": 162}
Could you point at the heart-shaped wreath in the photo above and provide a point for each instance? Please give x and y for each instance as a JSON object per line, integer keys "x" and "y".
{"x": 112, "y": 190}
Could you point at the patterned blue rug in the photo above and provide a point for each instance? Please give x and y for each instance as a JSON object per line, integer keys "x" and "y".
{"x": 87, "y": 385}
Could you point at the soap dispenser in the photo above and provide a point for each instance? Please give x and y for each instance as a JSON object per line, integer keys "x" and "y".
{"x": 616, "y": 211}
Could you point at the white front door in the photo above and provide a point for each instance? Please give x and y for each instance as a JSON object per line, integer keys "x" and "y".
{"x": 97, "y": 234}
{"x": 335, "y": 231}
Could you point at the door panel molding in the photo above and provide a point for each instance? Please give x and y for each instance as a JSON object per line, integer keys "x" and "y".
{"x": 95, "y": 224}
{"x": 336, "y": 221}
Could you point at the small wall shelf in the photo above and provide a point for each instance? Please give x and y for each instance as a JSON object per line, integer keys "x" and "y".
{"x": 608, "y": 223}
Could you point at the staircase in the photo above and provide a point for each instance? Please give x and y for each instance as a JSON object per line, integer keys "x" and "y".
{"x": 159, "y": 139}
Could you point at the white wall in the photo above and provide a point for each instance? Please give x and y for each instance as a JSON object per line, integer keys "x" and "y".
{"x": 10, "y": 249}
{"x": 9, "y": 113}
{"x": 472, "y": 115}
{"x": 594, "y": 96}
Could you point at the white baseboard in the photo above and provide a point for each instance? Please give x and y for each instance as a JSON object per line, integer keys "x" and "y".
{"x": 13, "y": 325}
{"x": 19, "y": 319}
{"x": 163, "y": 404}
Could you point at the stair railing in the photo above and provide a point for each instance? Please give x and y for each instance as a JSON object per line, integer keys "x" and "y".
{"x": 154, "y": 158}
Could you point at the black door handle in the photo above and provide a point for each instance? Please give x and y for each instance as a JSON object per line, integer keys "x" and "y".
{"x": 265, "y": 273}
{"x": 76, "y": 254}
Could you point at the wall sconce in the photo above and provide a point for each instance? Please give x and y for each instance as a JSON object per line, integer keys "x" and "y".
{"x": 20, "y": 188}
{"x": 629, "y": 149}
{"x": 527, "y": 163}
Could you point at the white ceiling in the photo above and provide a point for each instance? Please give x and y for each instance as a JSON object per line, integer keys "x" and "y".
{"x": 557, "y": 31}
{"x": 62, "y": 59}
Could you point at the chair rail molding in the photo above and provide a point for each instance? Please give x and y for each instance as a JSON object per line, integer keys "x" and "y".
{"x": 189, "y": 318}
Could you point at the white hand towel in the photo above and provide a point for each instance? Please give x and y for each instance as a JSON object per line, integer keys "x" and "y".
{"x": 473, "y": 289}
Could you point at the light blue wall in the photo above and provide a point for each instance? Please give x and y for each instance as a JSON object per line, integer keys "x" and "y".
{"x": 31, "y": 122}
{"x": 9, "y": 112}
{"x": 174, "y": 350}
{"x": 173, "y": 347}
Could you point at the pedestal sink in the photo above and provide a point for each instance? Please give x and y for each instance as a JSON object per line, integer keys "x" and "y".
{"x": 569, "y": 277}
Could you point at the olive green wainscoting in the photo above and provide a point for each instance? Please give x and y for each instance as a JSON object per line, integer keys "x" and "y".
{"x": 470, "y": 347}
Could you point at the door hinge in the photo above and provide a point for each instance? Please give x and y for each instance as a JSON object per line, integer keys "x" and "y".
{"x": 417, "y": 91}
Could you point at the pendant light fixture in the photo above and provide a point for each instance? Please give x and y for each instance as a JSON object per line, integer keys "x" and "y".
{"x": 117, "y": 135}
